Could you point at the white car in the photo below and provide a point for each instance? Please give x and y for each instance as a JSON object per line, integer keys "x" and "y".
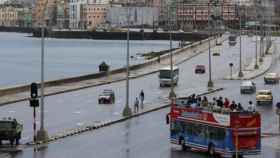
{"x": 247, "y": 87}
{"x": 271, "y": 78}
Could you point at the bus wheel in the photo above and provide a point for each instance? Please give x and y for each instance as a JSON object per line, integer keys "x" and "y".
{"x": 211, "y": 149}
{"x": 182, "y": 143}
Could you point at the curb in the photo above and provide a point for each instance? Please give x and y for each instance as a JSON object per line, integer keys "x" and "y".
{"x": 78, "y": 131}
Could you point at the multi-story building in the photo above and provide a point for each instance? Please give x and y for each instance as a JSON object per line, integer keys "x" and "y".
{"x": 188, "y": 15}
{"x": 94, "y": 15}
{"x": 75, "y": 13}
{"x": 9, "y": 15}
{"x": 138, "y": 16}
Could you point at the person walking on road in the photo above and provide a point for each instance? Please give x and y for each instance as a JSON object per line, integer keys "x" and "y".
{"x": 136, "y": 105}
{"x": 251, "y": 107}
{"x": 142, "y": 97}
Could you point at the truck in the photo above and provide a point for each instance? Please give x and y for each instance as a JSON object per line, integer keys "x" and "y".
{"x": 10, "y": 130}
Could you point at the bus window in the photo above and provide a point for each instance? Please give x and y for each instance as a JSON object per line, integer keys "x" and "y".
{"x": 176, "y": 127}
{"x": 216, "y": 133}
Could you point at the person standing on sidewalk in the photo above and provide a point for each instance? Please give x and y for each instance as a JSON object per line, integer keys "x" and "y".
{"x": 142, "y": 97}
{"x": 136, "y": 105}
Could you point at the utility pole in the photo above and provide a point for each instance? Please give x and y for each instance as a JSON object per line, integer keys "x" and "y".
{"x": 240, "y": 74}
{"x": 256, "y": 34}
{"x": 42, "y": 134}
{"x": 127, "y": 110}
{"x": 210, "y": 82}
{"x": 172, "y": 94}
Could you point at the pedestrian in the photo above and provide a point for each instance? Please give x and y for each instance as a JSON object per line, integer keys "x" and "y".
{"x": 136, "y": 105}
{"x": 142, "y": 97}
{"x": 251, "y": 107}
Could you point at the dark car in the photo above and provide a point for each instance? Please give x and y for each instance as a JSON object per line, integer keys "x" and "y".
{"x": 199, "y": 69}
{"x": 107, "y": 97}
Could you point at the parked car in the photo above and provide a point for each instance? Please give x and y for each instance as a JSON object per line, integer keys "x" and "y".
{"x": 107, "y": 97}
{"x": 271, "y": 78}
{"x": 264, "y": 96}
{"x": 199, "y": 69}
{"x": 247, "y": 87}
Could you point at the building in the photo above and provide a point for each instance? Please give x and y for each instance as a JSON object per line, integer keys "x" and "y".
{"x": 189, "y": 15}
{"x": 139, "y": 16}
{"x": 94, "y": 15}
{"x": 9, "y": 15}
{"x": 75, "y": 13}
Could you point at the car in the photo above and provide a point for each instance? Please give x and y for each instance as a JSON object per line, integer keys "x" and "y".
{"x": 216, "y": 54}
{"x": 107, "y": 97}
{"x": 247, "y": 87}
{"x": 271, "y": 78}
{"x": 264, "y": 96}
{"x": 10, "y": 130}
{"x": 199, "y": 69}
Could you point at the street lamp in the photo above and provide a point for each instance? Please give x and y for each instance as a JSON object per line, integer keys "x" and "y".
{"x": 256, "y": 34}
{"x": 42, "y": 133}
{"x": 210, "y": 82}
{"x": 172, "y": 94}
{"x": 240, "y": 74}
{"x": 127, "y": 110}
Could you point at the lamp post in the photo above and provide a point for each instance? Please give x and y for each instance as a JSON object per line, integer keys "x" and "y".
{"x": 127, "y": 110}
{"x": 256, "y": 34}
{"x": 42, "y": 133}
{"x": 240, "y": 74}
{"x": 172, "y": 94}
{"x": 210, "y": 82}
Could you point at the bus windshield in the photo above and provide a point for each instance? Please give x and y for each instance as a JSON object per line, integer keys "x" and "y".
{"x": 167, "y": 73}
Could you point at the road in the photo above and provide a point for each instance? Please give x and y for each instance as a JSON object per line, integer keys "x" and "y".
{"x": 79, "y": 108}
{"x": 145, "y": 136}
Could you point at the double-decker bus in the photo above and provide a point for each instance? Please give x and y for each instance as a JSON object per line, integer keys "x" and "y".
{"x": 227, "y": 133}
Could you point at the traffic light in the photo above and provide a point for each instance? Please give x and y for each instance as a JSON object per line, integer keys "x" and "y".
{"x": 34, "y": 90}
{"x": 34, "y": 102}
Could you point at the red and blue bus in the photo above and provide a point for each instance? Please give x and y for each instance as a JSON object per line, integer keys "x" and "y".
{"x": 216, "y": 132}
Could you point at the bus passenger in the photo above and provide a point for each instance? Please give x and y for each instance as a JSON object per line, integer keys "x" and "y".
{"x": 226, "y": 103}
{"x": 204, "y": 102}
{"x": 239, "y": 107}
{"x": 233, "y": 105}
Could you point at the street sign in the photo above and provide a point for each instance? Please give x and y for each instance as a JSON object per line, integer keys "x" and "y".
{"x": 34, "y": 102}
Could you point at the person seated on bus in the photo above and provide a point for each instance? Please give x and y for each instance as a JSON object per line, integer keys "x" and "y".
{"x": 204, "y": 102}
{"x": 198, "y": 104}
{"x": 233, "y": 105}
{"x": 239, "y": 107}
{"x": 220, "y": 102}
{"x": 226, "y": 103}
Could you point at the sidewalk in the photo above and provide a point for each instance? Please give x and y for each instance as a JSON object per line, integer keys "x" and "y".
{"x": 179, "y": 57}
{"x": 249, "y": 71}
